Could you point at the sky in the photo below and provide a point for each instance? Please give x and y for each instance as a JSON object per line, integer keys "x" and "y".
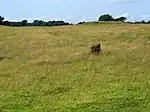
{"x": 73, "y": 10}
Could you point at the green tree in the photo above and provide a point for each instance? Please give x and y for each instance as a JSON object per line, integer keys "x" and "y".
{"x": 24, "y": 23}
{"x": 143, "y": 21}
{"x": 15, "y": 24}
{"x": 6, "y": 23}
{"x": 105, "y": 17}
{"x": 50, "y": 23}
{"x": 1, "y": 20}
{"x": 41, "y": 23}
{"x": 122, "y": 19}
{"x": 36, "y": 23}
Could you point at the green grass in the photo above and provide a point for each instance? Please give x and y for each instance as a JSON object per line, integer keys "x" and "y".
{"x": 51, "y": 70}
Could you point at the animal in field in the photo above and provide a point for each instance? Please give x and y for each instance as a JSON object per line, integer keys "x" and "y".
{"x": 95, "y": 49}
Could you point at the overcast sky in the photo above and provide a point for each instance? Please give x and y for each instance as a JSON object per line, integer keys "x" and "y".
{"x": 73, "y": 10}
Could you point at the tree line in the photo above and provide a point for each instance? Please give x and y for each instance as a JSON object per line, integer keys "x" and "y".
{"x": 34, "y": 23}
{"x": 108, "y": 17}
{"x": 105, "y": 17}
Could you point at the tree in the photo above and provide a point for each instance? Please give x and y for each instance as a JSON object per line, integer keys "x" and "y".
{"x": 50, "y": 23}
{"x": 44, "y": 24}
{"x": 6, "y": 23}
{"x": 122, "y": 19}
{"x": 41, "y": 23}
{"x": 59, "y": 23}
{"x": 24, "y": 23}
{"x": 36, "y": 23}
{"x": 148, "y": 21}
{"x": 1, "y": 19}
{"x": 81, "y": 22}
{"x": 15, "y": 24}
{"x": 105, "y": 17}
{"x": 143, "y": 21}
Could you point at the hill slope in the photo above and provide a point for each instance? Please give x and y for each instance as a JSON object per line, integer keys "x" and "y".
{"x": 50, "y": 69}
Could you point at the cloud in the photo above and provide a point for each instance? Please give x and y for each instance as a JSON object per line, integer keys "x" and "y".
{"x": 123, "y": 15}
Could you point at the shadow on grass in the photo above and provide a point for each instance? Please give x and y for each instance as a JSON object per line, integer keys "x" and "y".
{"x": 5, "y": 58}
{"x": 57, "y": 90}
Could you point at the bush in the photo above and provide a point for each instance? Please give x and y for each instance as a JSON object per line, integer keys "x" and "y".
{"x": 106, "y": 17}
{"x": 81, "y": 22}
{"x": 95, "y": 49}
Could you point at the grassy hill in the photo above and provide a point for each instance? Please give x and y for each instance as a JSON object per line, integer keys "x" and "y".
{"x": 51, "y": 69}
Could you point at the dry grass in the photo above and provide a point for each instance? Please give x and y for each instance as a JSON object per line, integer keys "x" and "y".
{"x": 51, "y": 68}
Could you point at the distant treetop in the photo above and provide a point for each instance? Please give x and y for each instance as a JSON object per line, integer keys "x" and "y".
{"x": 108, "y": 17}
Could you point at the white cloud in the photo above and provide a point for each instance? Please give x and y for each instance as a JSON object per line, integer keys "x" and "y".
{"x": 123, "y": 15}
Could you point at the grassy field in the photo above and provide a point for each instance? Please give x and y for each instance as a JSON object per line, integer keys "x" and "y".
{"x": 50, "y": 69}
